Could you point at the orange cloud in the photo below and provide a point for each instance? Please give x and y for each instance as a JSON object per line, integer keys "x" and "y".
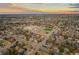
{"x": 9, "y": 10}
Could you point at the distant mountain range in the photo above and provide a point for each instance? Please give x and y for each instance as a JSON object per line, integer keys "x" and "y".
{"x": 34, "y": 14}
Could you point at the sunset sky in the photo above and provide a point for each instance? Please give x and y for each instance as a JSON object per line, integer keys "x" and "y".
{"x": 38, "y": 8}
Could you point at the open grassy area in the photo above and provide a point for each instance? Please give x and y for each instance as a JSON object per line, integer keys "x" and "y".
{"x": 48, "y": 29}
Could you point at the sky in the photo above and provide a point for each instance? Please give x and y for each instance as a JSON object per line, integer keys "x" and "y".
{"x": 39, "y": 8}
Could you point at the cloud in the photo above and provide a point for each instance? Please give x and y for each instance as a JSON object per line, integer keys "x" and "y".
{"x": 38, "y": 8}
